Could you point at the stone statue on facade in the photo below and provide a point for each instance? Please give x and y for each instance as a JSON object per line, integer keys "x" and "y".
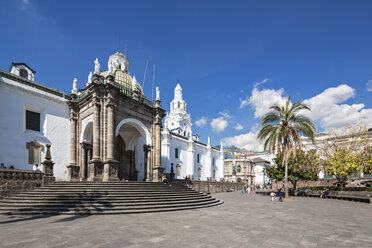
{"x": 74, "y": 86}
{"x": 110, "y": 67}
{"x": 90, "y": 77}
{"x": 134, "y": 83}
{"x": 97, "y": 66}
{"x": 157, "y": 94}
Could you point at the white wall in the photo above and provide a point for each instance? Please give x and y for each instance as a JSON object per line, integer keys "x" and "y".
{"x": 54, "y": 121}
{"x": 170, "y": 142}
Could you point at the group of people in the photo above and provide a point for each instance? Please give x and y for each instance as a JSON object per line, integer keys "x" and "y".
{"x": 249, "y": 189}
{"x": 281, "y": 194}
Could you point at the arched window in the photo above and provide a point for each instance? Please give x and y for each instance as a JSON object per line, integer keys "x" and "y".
{"x": 214, "y": 174}
{"x": 23, "y": 73}
{"x": 239, "y": 169}
{"x": 178, "y": 104}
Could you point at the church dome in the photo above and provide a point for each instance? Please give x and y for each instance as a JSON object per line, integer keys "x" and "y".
{"x": 118, "y": 65}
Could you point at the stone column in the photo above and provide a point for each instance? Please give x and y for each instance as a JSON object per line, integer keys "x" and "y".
{"x": 83, "y": 161}
{"x": 158, "y": 169}
{"x": 96, "y": 125}
{"x": 72, "y": 140}
{"x": 110, "y": 132}
{"x": 95, "y": 164}
{"x": 110, "y": 165}
{"x": 145, "y": 162}
{"x": 73, "y": 168}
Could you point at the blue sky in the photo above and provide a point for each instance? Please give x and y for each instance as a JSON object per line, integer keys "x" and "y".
{"x": 233, "y": 58}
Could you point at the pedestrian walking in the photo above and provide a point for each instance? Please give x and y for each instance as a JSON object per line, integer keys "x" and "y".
{"x": 272, "y": 194}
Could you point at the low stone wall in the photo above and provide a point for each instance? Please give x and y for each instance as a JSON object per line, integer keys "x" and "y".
{"x": 13, "y": 181}
{"x": 215, "y": 187}
{"x": 323, "y": 182}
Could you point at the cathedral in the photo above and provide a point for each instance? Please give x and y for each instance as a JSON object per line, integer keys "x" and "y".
{"x": 107, "y": 131}
{"x": 182, "y": 151}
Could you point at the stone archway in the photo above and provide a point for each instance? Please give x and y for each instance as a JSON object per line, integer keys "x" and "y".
{"x": 133, "y": 141}
{"x": 86, "y": 143}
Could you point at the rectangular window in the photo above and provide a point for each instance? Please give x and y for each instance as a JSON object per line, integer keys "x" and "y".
{"x": 176, "y": 153}
{"x": 32, "y": 120}
{"x": 198, "y": 158}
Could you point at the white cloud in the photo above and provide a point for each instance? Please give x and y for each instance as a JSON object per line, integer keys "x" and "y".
{"x": 225, "y": 114}
{"x": 262, "y": 82}
{"x": 244, "y": 102}
{"x": 219, "y": 124}
{"x": 329, "y": 110}
{"x": 369, "y": 85}
{"x": 248, "y": 141}
{"x": 201, "y": 122}
{"x": 261, "y": 100}
{"x": 238, "y": 126}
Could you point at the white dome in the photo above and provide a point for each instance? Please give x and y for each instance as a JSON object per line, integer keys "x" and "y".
{"x": 118, "y": 61}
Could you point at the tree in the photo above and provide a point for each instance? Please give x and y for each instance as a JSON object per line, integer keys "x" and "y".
{"x": 281, "y": 129}
{"x": 305, "y": 166}
{"x": 346, "y": 151}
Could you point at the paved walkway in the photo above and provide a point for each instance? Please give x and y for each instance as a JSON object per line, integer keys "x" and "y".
{"x": 242, "y": 221}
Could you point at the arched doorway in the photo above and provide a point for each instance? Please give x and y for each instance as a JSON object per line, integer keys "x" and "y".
{"x": 133, "y": 140}
{"x": 86, "y": 141}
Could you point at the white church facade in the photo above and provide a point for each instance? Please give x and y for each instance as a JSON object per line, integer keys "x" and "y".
{"x": 183, "y": 151}
{"x": 32, "y": 115}
{"x": 104, "y": 132}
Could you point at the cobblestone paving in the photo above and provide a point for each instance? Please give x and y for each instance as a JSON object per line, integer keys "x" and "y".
{"x": 242, "y": 221}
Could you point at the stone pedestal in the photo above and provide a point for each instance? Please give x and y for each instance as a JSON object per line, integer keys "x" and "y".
{"x": 110, "y": 172}
{"x": 95, "y": 170}
{"x": 157, "y": 173}
{"x": 73, "y": 172}
{"x": 48, "y": 165}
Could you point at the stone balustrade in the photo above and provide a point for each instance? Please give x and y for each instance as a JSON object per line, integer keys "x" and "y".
{"x": 214, "y": 186}
{"x": 13, "y": 181}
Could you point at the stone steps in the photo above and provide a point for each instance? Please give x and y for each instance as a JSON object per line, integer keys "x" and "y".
{"x": 77, "y": 198}
{"x": 113, "y": 198}
{"x": 100, "y": 203}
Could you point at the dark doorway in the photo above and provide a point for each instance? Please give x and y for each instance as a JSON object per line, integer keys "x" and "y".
{"x": 127, "y": 167}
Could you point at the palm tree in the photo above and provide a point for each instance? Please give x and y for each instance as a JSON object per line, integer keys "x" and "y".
{"x": 281, "y": 129}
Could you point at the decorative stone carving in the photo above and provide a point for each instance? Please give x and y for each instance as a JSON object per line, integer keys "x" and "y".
{"x": 90, "y": 78}
{"x": 34, "y": 150}
{"x": 110, "y": 67}
{"x": 157, "y": 94}
{"x": 74, "y": 86}
{"x": 97, "y": 66}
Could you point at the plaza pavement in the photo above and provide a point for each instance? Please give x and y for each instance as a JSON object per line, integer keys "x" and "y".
{"x": 242, "y": 221}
